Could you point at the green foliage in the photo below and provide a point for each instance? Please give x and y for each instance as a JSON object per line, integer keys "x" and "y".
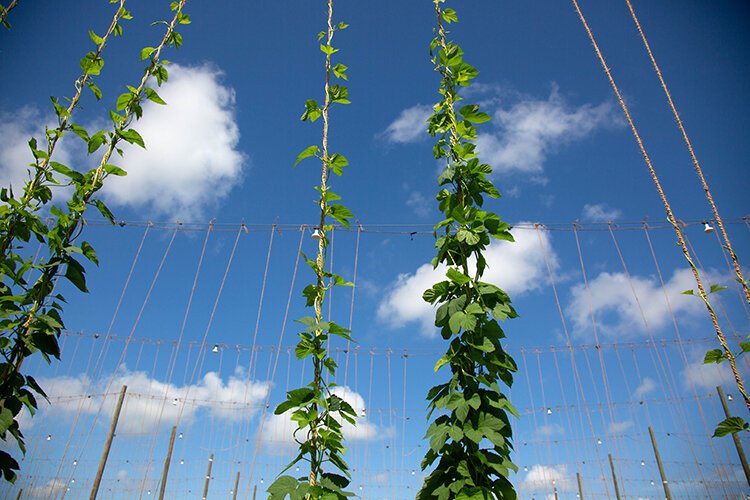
{"x": 470, "y": 440}
{"x": 4, "y": 11}
{"x": 731, "y": 425}
{"x": 317, "y": 412}
{"x": 30, "y": 315}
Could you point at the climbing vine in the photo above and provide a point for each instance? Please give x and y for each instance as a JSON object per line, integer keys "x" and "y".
{"x": 5, "y": 10}
{"x": 471, "y": 437}
{"x": 317, "y": 412}
{"x": 30, "y": 310}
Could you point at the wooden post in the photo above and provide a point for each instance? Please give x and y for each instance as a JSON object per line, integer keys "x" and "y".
{"x": 108, "y": 445}
{"x": 208, "y": 476}
{"x": 20, "y": 492}
{"x": 255, "y": 490}
{"x": 168, "y": 460}
{"x": 664, "y": 482}
{"x": 614, "y": 476}
{"x": 555, "y": 492}
{"x": 580, "y": 485}
{"x": 236, "y": 485}
{"x": 735, "y": 436}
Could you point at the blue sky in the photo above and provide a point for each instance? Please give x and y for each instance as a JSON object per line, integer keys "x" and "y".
{"x": 223, "y": 150}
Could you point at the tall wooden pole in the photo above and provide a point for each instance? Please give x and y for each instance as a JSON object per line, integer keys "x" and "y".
{"x": 580, "y": 485}
{"x": 554, "y": 491}
{"x": 167, "y": 461}
{"x": 255, "y": 490}
{"x": 208, "y": 476}
{"x": 664, "y": 482}
{"x": 20, "y": 492}
{"x": 614, "y": 476}
{"x": 108, "y": 445}
{"x": 236, "y": 485}
{"x": 735, "y": 437}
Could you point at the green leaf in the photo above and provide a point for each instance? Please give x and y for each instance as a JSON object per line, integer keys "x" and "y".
{"x": 449, "y": 16}
{"x": 80, "y": 132}
{"x": 716, "y": 288}
{"x": 104, "y": 211}
{"x": 327, "y": 49}
{"x": 281, "y": 488}
{"x": 688, "y": 292}
{"x": 68, "y": 172}
{"x": 91, "y": 64}
{"x": 89, "y": 252}
{"x": 341, "y": 214}
{"x": 6, "y": 420}
{"x": 472, "y": 114}
{"x": 337, "y": 163}
{"x": 714, "y": 356}
{"x": 455, "y": 321}
{"x": 340, "y": 71}
{"x": 123, "y": 101}
{"x": 75, "y": 273}
{"x": 151, "y": 95}
{"x": 731, "y": 425}
{"x": 457, "y": 277}
{"x": 441, "y": 362}
{"x": 339, "y": 94}
{"x": 96, "y": 141}
{"x": 95, "y": 38}
{"x": 8, "y": 465}
{"x": 306, "y": 153}
{"x": 114, "y": 170}
{"x": 474, "y": 493}
{"x": 312, "y": 111}
{"x": 132, "y": 136}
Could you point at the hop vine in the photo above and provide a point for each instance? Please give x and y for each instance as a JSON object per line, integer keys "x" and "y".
{"x": 470, "y": 439}
{"x": 318, "y": 412}
{"x": 31, "y": 313}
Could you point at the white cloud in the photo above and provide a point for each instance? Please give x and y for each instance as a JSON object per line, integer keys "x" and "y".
{"x": 278, "y": 430}
{"x": 619, "y": 427}
{"x": 707, "y": 376}
{"x": 191, "y": 161}
{"x": 16, "y": 129}
{"x": 545, "y": 477}
{"x": 550, "y": 430}
{"x": 47, "y": 490}
{"x": 518, "y": 268}
{"x": 600, "y": 212}
{"x": 419, "y": 204}
{"x": 530, "y": 130}
{"x": 410, "y": 126}
{"x": 147, "y": 398}
{"x": 617, "y": 313}
{"x": 644, "y": 388}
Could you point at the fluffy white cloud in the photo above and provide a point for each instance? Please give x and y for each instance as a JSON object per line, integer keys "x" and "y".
{"x": 544, "y": 477}
{"x": 419, "y": 204}
{"x": 16, "y": 129}
{"x": 708, "y": 376}
{"x": 278, "y": 430}
{"x": 147, "y": 398}
{"x": 600, "y": 212}
{"x": 410, "y": 126}
{"x": 550, "y": 430}
{"x": 617, "y": 313}
{"x": 646, "y": 386}
{"x": 528, "y": 131}
{"x": 518, "y": 268}
{"x": 47, "y": 490}
{"x": 619, "y": 427}
{"x": 191, "y": 161}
